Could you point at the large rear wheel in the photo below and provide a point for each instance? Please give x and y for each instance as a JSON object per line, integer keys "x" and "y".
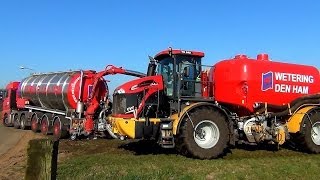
{"x": 203, "y": 134}
{"x": 310, "y": 132}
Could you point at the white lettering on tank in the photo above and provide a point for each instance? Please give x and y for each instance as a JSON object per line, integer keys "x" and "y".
{"x": 282, "y": 88}
{"x": 305, "y": 90}
{"x": 73, "y": 85}
{"x": 300, "y": 89}
{"x": 298, "y": 78}
{"x": 278, "y": 76}
{"x": 294, "y": 77}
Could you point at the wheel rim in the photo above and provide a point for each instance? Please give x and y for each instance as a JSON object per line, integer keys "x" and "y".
{"x": 22, "y": 123}
{"x": 6, "y": 121}
{"x": 44, "y": 127}
{"x": 34, "y": 124}
{"x": 206, "y": 134}
{"x": 56, "y": 129}
{"x": 315, "y": 133}
{"x": 16, "y": 122}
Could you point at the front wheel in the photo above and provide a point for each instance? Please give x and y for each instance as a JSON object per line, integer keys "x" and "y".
{"x": 6, "y": 121}
{"x": 203, "y": 134}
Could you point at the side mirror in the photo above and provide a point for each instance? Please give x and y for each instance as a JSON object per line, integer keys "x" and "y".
{"x": 152, "y": 66}
{"x": 186, "y": 71}
{"x": 151, "y": 59}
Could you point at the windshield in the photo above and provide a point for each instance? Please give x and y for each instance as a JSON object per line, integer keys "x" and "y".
{"x": 187, "y": 67}
{"x": 165, "y": 68}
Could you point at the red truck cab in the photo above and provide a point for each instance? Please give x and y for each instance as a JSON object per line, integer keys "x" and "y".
{"x": 9, "y": 103}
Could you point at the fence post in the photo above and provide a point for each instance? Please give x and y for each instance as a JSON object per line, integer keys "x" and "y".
{"x": 42, "y": 159}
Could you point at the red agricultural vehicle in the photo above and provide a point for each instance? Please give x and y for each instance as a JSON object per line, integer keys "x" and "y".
{"x": 205, "y": 110}
{"x": 202, "y": 111}
{"x": 61, "y": 103}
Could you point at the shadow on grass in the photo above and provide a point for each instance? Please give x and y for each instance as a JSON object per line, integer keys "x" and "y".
{"x": 289, "y": 145}
{"x": 265, "y": 147}
{"x": 146, "y": 147}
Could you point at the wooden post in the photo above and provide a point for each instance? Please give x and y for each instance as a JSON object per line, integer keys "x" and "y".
{"x": 42, "y": 159}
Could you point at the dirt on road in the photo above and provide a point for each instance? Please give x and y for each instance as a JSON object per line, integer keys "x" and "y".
{"x": 13, "y": 152}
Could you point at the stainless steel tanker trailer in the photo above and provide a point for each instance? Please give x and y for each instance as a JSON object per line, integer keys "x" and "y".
{"x": 61, "y": 103}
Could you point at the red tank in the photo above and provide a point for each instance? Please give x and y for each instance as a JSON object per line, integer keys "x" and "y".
{"x": 243, "y": 82}
{"x": 60, "y": 90}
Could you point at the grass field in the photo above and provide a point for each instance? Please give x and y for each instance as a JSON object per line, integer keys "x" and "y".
{"x": 113, "y": 159}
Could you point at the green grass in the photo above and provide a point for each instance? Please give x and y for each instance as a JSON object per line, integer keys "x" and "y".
{"x": 103, "y": 159}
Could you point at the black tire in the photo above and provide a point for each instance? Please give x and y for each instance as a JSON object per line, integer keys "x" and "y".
{"x": 34, "y": 123}
{"x": 59, "y": 132}
{"x": 16, "y": 121}
{"x": 5, "y": 121}
{"x": 23, "y": 121}
{"x": 307, "y": 142}
{"x": 201, "y": 117}
{"x": 45, "y": 125}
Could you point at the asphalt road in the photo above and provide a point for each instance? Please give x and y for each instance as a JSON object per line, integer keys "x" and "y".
{"x": 9, "y": 137}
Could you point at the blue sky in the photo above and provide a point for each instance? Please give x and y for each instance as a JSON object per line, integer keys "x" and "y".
{"x": 61, "y": 35}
